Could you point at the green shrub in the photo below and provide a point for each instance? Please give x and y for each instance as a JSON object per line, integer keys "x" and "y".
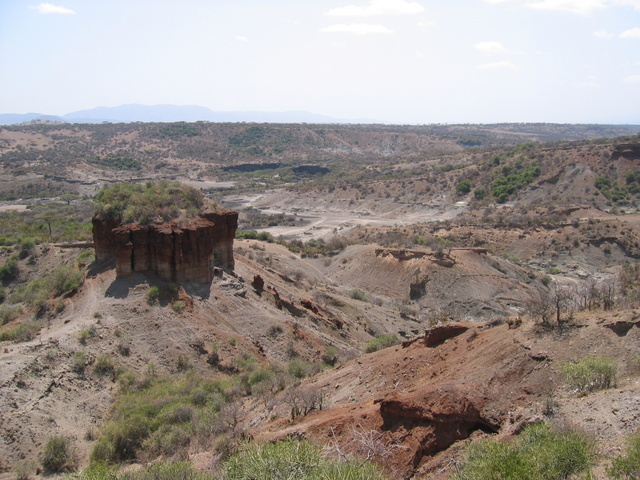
{"x": 255, "y": 235}
{"x": 156, "y": 471}
{"x": 9, "y": 270}
{"x": 116, "y": 162}
{"x": 58, "y": 455}
{"x": 105, "y": 365}
{"x": 357, "y": 294}
{"x": 86, "y": 334}
{"x": 378, "y": 343}
{"x": 158, "y": 416}
{"x": 85, "y": 258}
{"x": 26, "y": 247}
{"x": 8, "y": 314}
{"x": 121, "y": 441}
{"x": 168, "y": 439}
{"x": 79, "y": 362}
{"x": 183, "y": 364}
{"x": 592, "y": 373}
{"x": 65, "y": 279}
{"x": 463, "y": 187}
{"x": 23, "y": 332}
{"x": 153, "y": 294}
{"x": 261, "y": 375}
{"x": 246, "y": 362}
{"x": 298, "y": 368}
{"x": 167, "y": 471}
{"x": 148, "y": 203}
{"x": 292, "y": 459}
{"x": 178, "y": 306}
{"x": 538, "y": 454}
{"x": 513, "y": 179}
{"x": 627, "y": 466}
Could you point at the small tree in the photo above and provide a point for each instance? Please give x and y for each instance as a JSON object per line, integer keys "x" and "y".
{"x": 463, "y": 187}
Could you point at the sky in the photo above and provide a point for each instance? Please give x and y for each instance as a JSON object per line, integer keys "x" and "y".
{"x": 395, "y": 61}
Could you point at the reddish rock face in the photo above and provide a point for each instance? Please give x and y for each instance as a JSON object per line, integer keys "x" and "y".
{"x": 178, "y": 251}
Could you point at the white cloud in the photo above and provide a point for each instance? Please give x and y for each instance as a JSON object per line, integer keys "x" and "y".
{"x": 242, "y": 38}
{"x": 581, "y": 7}
{"x": 590, "y": 82}
{"x": 425, "y": 23}
{"x": 632, "y": 79}
{"x": 378, "y": 7}
{"x": 633, "y": 33}
{"x": 490, "y": 48}
{"x": 603, "y": 34}
{"x": 498, "y": 65}
{"x": 357, "y": 29}
{"x": 47, "y": 8}
{"x": 633, "y": 3}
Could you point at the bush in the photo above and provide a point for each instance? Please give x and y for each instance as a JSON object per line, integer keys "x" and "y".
{"x": 627, "y": 466}
{"x": 85, "y": 258}
{"x": 149, "y": 203}
{"x": 378, "y": 343}
{"x": 463, "y": 187}
{"x": 298, "y": 368}
{"x": 157, "y": 471}
{"x": 513, "y": 179}
{"x": 65, "y": 279}
{"x": 58, "y": 455}
{"x": 26, "y": 247}
{"x": 592, "y": 373}
{"x": 22, "y": 332}
{"x": 153, "y": 294}
{"x": 105, "y": 365}
{"x": 9, "y": 314}
{"x": 538, "y": 454}
{"x": 37, "y": 294}
{"x": 9, "y": 270}
{"x": 86, "y": 334}
{"x": 357, "y": 294}
{"x": 167, "y": 471}
{"x": 178, "y": 306}
{"x": 292, "y": 459}
{"x": 155, "y": 416}
{"x": 79, "y": 362}
{"x": 121, "y": 441}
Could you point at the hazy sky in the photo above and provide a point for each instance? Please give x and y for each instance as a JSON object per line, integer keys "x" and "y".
{"x": 402, "y": 61}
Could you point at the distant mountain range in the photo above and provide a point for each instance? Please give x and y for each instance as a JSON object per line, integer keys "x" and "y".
{"x": 171, "y": 113}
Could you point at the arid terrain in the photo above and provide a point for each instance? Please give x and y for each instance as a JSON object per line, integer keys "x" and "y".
{"x": 398, "y": 293}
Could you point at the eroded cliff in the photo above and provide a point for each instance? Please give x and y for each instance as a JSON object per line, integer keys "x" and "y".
{"x": 178, "y": 250}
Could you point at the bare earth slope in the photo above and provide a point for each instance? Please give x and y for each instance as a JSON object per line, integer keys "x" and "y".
{"x": 423, "y": 399}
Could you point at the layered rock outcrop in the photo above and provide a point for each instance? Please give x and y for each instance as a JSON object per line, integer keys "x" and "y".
{"x": 178, "y": 251}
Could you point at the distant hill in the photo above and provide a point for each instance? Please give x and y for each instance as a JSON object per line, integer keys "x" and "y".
{"x": 173, "y": 113}
{"x": 15, "y": 118}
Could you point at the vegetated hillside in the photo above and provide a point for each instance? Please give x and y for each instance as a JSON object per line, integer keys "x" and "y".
{"x": 48, "y": 160}
{"x": 61, "y": 375}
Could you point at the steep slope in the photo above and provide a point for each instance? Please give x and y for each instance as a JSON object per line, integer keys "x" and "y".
{"x": 408, "y": 404}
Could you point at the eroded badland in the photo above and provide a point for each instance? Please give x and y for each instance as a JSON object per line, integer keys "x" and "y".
{"x": 395, "y": 294}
